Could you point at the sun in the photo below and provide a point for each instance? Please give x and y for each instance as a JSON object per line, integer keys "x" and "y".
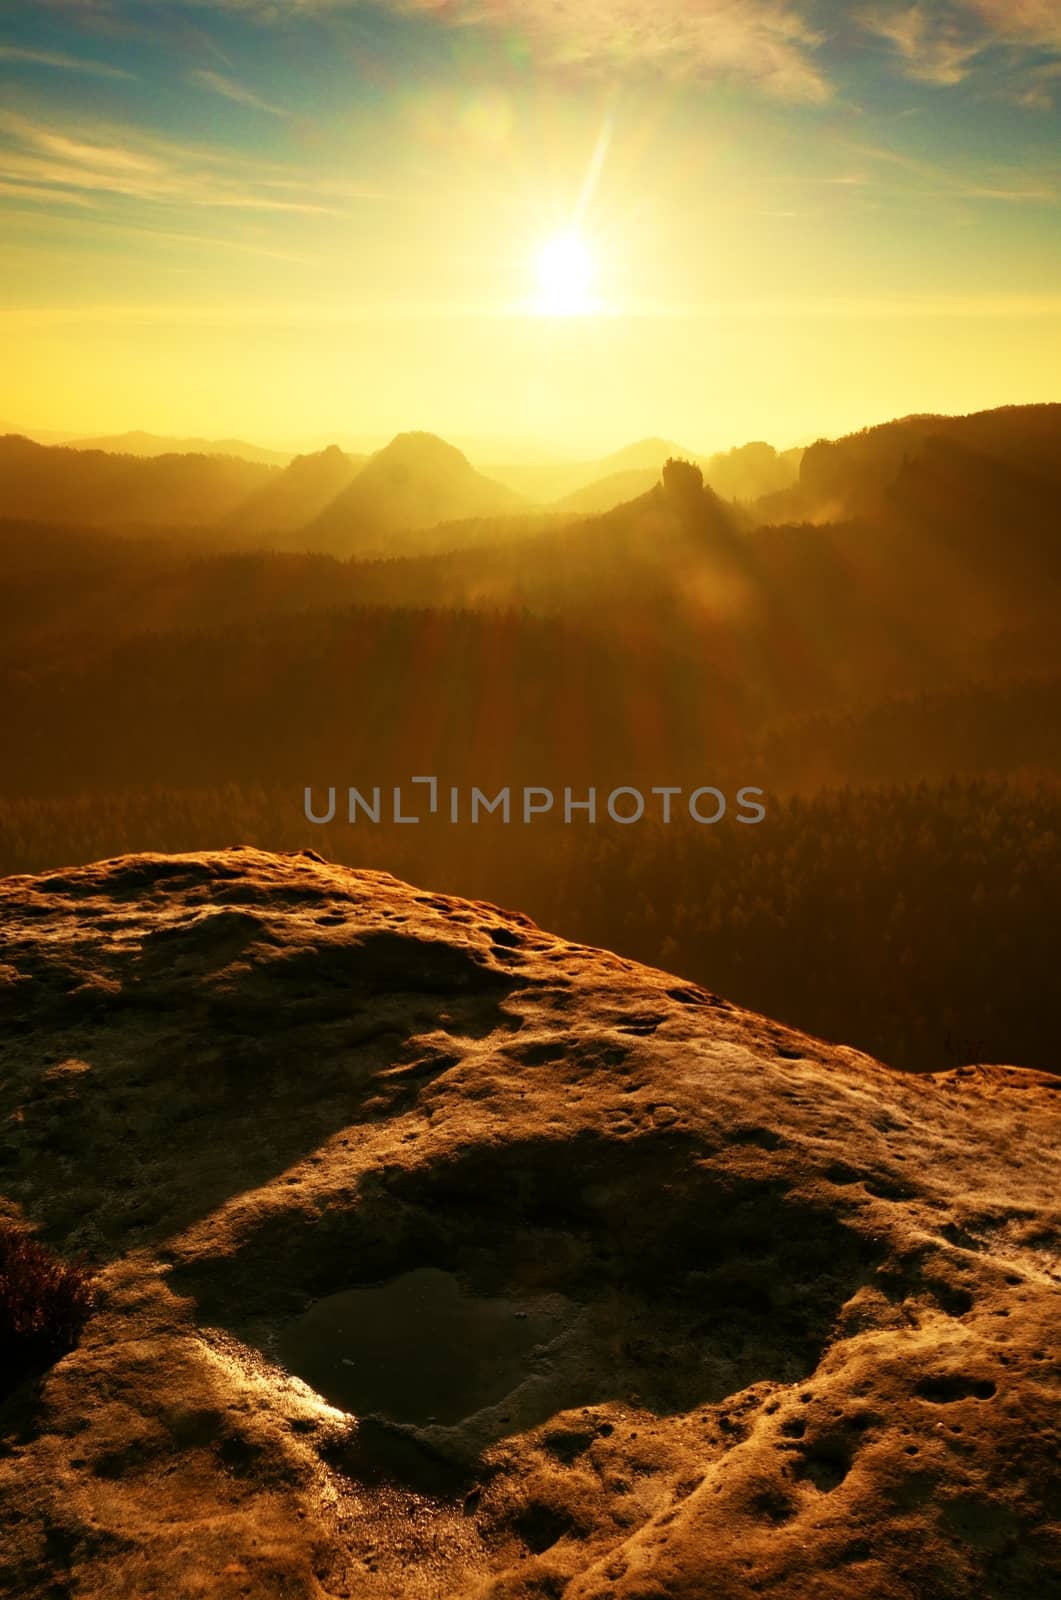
{"x": 565, "y": 276}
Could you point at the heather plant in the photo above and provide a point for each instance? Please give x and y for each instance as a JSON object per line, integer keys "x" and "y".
{"x": 44, "y": 1303}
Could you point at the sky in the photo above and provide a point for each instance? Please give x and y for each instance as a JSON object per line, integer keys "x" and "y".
{"x": 295, "y": 220}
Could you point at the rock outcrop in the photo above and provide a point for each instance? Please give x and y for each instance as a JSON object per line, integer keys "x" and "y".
{"x": 439, "y": 1257}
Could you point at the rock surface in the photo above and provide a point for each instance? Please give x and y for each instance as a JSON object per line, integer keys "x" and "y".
{"x": 711, "y": 1308}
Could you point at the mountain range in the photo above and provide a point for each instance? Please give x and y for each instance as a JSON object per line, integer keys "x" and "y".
{"x": 337, "y": 502}
{"x": 417, "y": 482}
{"x": 141, "y": 480}
{"x": 139, "y": 443}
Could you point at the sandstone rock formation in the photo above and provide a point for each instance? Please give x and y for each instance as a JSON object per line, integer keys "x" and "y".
{"x": 438, "y": 1257}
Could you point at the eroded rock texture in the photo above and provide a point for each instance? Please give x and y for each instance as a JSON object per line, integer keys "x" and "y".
{"x": 603, "y": 1288}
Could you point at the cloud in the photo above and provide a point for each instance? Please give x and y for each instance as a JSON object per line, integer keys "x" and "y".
{"x": 1039, "y": 194}
{"x": 57, "y": 58}
{"x": 110, "y": 158}
{"x": 1036, "y": 98}
{"x": 220, "y": 84}
{"x": 765, "y": 43}
{"x": 153, "y": 170}
{"x": 935, "y": 181}
{"x": 1030, "y": 28}
{"x": 74, "y": 234}
{"x": 934, "y": 49}
{"x": 31, "y": 191}
{"x": 942, "y": 43}
{"x": 1030, "y": 22}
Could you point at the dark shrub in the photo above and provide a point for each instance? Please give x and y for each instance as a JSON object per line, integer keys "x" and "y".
{"x": 44, "y": 1303}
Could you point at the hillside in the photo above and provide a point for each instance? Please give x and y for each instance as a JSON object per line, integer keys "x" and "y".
{"x": 959, "y": 548}
{"x": 752, "y": 470}
{"x": 326, "y": 502}
{"x": 553, "y": 482}
{"x": 707, "y": 631}
{"x": 418, "y": 480}
{"x": 746, "y": 472}
{"x": 139, "y": 443}
{"x": 603, "y": 494}
{"x": 94, "y": 488}
{"x": 305, "y": 488}
{"x": 857, "y": 473}
{"x": 644, "y": 455}
{"x": 435, "y": 1255}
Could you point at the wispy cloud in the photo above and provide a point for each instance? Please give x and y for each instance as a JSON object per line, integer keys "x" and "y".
{"x": 32, "y": 191}
{"x": 231, "y": 90}
{"x": 766, "y": 43}
{"x": 1031, "y": 22}
{"x": 944, "y": 42}
{"x": 149, "y": 169}
{"x": 935, "y": 180}
{"x": 58, "y": 58}
{"x": 1039, "y": 194}
{"x": 71, "y": 237}
{"x": 934, "y": 49}
{"x": 1030, "y": 30}
{"x": 1037, "y": 97}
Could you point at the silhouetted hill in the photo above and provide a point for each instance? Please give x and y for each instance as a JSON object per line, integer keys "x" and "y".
{"x": 38, "y": 435}
{"x": 744, "y": 473}
{"x": 138, "y": 443}
{"x": 677, "y": 546}
{"x": 845, "y": 476}
{"x": 606, "y": 493}
{"x": 298, "y": 494}
{"x": 644, "y": 455}
{"x": 752, "y": 470}
{"x": 637, "y": 553}
{"x": 636, "y": 467}
{"x": 957, "y": 551}
{"x": 416, "y": 481}
{"x": 97, "y": 489}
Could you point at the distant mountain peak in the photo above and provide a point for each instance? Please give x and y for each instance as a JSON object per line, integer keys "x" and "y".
{"x": 416, "y": 481}
{"x": 330, "y": 456}
{"x": 654, "y": 442}
{"x": 644, "y": 454}
{"x": 427, "y": 448}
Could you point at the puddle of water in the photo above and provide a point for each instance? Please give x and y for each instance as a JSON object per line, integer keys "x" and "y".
{"x": 416, "y": 1348}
